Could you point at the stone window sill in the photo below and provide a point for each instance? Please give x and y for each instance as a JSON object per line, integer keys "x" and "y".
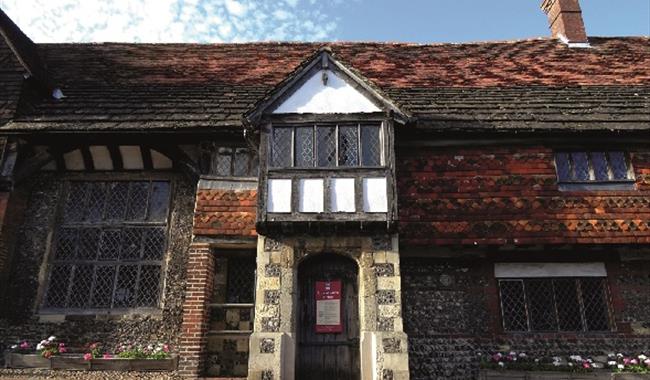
{"x": 99, "y": 315}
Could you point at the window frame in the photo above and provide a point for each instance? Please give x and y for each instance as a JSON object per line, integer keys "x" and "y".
{"x": 592, "y": 183}
{"x": 51, "y": 261}
{"x": 383, "y": 160}
{"x": 607, "y": 298}
{"x": 211, "y": 149}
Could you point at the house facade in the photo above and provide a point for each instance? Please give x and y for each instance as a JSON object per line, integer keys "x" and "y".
{"x": 329, "y": 210}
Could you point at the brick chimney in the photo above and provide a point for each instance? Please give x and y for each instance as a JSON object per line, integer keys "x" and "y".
{"x": 565, "y": 19}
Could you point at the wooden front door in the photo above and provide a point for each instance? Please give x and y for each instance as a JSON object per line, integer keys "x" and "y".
{"x": 328, "y": 356}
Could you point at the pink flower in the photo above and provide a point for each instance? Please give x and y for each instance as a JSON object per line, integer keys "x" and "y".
{"x": 634, "y": 362}
{"x": 24, "y": 345}
{"x": 107, "y": 356}
{"x": 166, "y": 347}
{"x": 626, "y": 361}
{"x": 647, "y": 362}
{"x": 88, "y": 356}
{"x": 586, "y": 365}
{"x": 62, "y": 349}
{"x": 93, "y": 346}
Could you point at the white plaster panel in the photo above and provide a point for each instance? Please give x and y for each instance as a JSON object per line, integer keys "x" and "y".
{"x": 311, "y": 195}
{"x": 131, "y": 157}
{"x": 532, "y": 270}
{"x": 279, "y": 195}
{"x": 337, "y": 96}
{"x": 74, "y": 160}
{"x": 160, "y": 161}
{"x": 101, "y": 157}
{"x": 342, "y": 195}
{"x": 374, "y": 195}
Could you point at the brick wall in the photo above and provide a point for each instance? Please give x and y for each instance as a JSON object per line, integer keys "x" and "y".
{"x": 225, "y": 212}
{"x": 452, "y": 313}
{"x": 509, "y": 195}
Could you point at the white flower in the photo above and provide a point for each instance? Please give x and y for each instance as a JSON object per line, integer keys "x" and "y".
{"x": 39, "y": 346}
{"x": 51, "y": 339}
{"x": 557, "y": 364}
{"x": 642, "y": 357}
{"x": 570, "y": 364}
{"x": 522, "y": 354}
{"x": 611, "y": 363}
{"x": 501, "y": 364}
{"x": 14, "y": 346}
{"x": 620, "y": 366}
{"x": 619, "y": 355}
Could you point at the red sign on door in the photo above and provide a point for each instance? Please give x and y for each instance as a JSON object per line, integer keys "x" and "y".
{"x": 329, "y": 309}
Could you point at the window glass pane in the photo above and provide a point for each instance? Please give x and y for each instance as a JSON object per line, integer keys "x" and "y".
{"x": 222, "y": 162}
{"x": 595, "y": 308}
{"x": 66, "y": 247}
{"x": 131, "y": 243}
{"x": 88, "y": 243}
{"x": 568, "y": 307}
{"x": 539, "y": 295}
{"x": 110, "y": 244}
{"x": 580, "y": 166}
{"x": 118, "y": 193}
{"x": 240, "y": 280}
{"x": 326, "y": 146}
{"x": 125, "y": 289}
{"x": 154, "y": 244}
{"x": 281, "y": 147}
{"x": 58, "y": 286}
{"x": 103, "y": 290}
{"x": 370, "y": 146}
{"x": 76, "y": 202}
{"x": 513, "y": 306}
{"x": 304, "y": 147}
{"x": 159, "y": 202}
{"x": 241, "y": 167}
{"x": 599, "y": 163}
{"x": 618, "y": 165}
{"x": 563, "y": 166}
{"x": 96, "y": 201}
{"x": 149, "y": 285}
{"x": 81, "y": 284}
{"x": 137, "y": 202}
{"x": 348, "y": 146}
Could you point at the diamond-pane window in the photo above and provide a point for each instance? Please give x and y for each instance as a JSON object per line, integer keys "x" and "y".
{"x": 325, "y": 146}
{"x": 229, "y": 161}
{"x": 370, "y": 145}
{"x": 594, "y": 167}
{"x": 281, "y": 146}
{"x": 240, "y": 280}
{"x": 554, "y": 304}
{"x": 304, "y": 147}
{"x": 109, "y": 254}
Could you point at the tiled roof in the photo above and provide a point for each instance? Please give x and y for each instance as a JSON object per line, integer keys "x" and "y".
{"x": 134, "y": 86}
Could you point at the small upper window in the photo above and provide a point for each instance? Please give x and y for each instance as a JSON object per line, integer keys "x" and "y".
{"x": 326, "y": 146}
{"x": 226, "y": 161}
{"x": 593, "y": 167}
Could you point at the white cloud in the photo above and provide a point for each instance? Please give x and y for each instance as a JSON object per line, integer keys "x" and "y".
{"x": 170, "y": 20}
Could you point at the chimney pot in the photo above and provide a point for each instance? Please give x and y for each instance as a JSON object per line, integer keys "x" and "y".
{"x": 565, "y": 20}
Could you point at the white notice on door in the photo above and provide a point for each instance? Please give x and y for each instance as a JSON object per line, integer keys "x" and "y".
{"x": 328, "y": 312}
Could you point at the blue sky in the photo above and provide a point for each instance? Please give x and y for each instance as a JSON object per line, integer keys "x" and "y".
{"x": 419, "y": 21}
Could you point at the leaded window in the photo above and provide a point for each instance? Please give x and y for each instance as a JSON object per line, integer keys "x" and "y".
{"x": 554, "y": 304}
{"x": 593, "y": 167}
{"x": 326, "y": 146}
{"x": 240, "y": 286}
{"x": 227, "y": 161}
{"x": 109, "y": 247}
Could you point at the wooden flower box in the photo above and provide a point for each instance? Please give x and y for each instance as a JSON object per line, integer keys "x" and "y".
{"x": 488, "y": 374}
{"x": 77, "y": 362}
{"x": 15, "y": 360}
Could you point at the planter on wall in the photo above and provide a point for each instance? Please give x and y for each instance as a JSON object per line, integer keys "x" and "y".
{"x": 550, "y": 375}
{"x": 73, "y": 362}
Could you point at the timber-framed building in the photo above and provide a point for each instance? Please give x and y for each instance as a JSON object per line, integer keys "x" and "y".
{"x": 329, "y": 210}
